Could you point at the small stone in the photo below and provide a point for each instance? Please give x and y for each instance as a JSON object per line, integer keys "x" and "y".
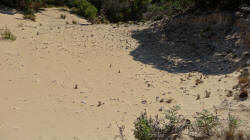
{"x": 76, "y": 86}
{"x": 75, "y": 138}
{"x": 99, "y": 104}
{"x": 198, "y": 81}
{"x": 229, "y": 93}
{"x": 83, "y": 102}
{"x": 160, "y": 109}
{"x": 207, "y": 94}
{"x": 169, "y": 100}
{"x": 198, "y": 97}
{"x": 157, "y": 98}
{"x": 243, "y": 95}
{"x": 149, "y": 85}
{"x": 162, "y": 100}
{"x": 144, "y": 102}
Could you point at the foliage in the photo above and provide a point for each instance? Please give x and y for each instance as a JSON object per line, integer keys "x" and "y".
{"x": 126, "y": 10}
{"x": 172, "y": 126}
{"x": 206, "y": 123}
{"x": 122, "y": 10}
{"x": 172, "y": 114}
{"x": 233, "y": 122}
{"x": 143, "y": 130}
{"x": 85, "y": 8}
{"x": 148, "y": 128}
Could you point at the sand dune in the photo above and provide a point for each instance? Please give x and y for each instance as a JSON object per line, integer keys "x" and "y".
{"x": 79, "y": 82}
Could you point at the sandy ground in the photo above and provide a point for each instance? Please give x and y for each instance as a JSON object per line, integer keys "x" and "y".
{"x": 79, "y": 82}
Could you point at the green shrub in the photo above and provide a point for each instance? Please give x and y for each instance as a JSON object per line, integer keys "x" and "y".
{"x": 85, "y": 8}
{"x": 128, "y": 10}
{"x": 143, "y": 130}
{"x": 148, "y": 128}
{"x": 172, "y": 114}
{"x": 205, "y": 123}
{"x": 125, "y": 10}
{"x": 90, "y": 12}
{"x": 233, "y": 122}
{"x": 172, "y": 126}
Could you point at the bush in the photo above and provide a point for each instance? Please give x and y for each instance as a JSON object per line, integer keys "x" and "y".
{"x": 205, "y": 4}
{"x": 143, "y": 130}
{"x": 90, "y": 12}
{"x": 85, "y": 8}
{"x": 172, "y": 126}
{"x": 148, "y": 128}
{"x": 125, "y": 10}
{"x": 205, "y": 123}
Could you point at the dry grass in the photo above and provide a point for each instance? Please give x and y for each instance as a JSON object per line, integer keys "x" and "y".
{"x": 63, "y": 16}
{"x": 29, "y": 16}
{"x": 74, "y": 22}
{"x": 7, "y": 35}
{"x": 243, "y": 85}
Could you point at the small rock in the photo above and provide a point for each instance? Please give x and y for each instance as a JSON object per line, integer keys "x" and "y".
{"x": 99, "y": 104}
{"x": 198, "y": 97}
{"x": 229, "y": 93}
{"x": 207, "y": 94}
{"x": 157, "y": 98}
{"x": 198, "y": 81}
{"x": 160, "y": 109}
{"x": 149, "y": 85}
{"x": 144, "y": 102}
{"x": 169, "y": 100}
{"x": 83, "y": 102}
{"x": 243, "y": 95}
{"x": 75, "y": 138}
{"x": 76, "y": 86}
{"x": 162, "y": 100}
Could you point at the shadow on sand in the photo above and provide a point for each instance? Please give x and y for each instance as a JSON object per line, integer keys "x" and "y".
{"x": 185, "y": 48}
{"x": 8, "y": 11}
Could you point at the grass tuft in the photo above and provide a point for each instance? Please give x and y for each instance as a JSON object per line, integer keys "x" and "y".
{"x": 30, "y": 17}
{"x": 63, "y": 16}
{"x": 7, "y": 35}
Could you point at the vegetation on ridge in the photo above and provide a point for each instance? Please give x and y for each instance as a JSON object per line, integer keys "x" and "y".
{"x": 126, "y": 10}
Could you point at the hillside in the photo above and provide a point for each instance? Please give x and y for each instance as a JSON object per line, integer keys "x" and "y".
{"x": 65, "y": 81}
